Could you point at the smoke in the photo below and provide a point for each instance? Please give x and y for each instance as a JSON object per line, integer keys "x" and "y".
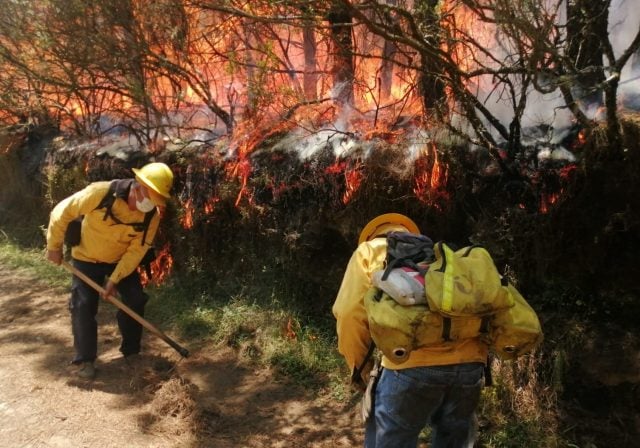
{"x": 309, "y": 143}
{"x": 550, "y": 109}
{"x": 624, "y": 24}
{"x": 546, "y": 117}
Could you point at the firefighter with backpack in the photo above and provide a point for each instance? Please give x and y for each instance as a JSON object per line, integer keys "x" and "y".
{"x": 415, "y": 383}
{"x": 111, "y": 227}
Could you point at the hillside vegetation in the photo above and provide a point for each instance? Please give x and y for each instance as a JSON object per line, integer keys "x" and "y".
{"x": 256, "y": 262}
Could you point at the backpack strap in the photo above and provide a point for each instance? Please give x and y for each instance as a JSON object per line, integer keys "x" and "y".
{"x": 120, "y": 188}
{"x": 446, "y": 329}
{"x": 355, "y": 376}
{"x": 488, "y": 377}
{"x": 147, "y": 220}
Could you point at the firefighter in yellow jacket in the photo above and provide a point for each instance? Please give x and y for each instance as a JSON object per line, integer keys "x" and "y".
{"x": 439, "y": 386}
{"x": 119, "y": 223}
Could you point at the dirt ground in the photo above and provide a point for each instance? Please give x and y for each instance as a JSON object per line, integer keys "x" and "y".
{"x": 210, "y": 399}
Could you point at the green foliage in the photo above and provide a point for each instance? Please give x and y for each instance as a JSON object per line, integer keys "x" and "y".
{"x": 197, "y": 323}
{"x": 265, "y": 333}
{"x": 62, "y": 182}
{"x": 520, "y": 434}
{"x": 21, "y": 208}
{"x": 307, "y": 356}
{"x": 32, "y": 261}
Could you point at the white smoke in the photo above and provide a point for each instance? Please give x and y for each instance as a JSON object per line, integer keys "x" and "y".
{"x": 624, "y": 23}
{"x": 308, "y": 143}
{"x": 550, "y": 108}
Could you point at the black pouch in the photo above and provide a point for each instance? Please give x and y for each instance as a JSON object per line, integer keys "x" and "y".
{"x": 73, "y": 233}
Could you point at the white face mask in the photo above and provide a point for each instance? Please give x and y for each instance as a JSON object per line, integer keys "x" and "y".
{"x": 145, "y": 206}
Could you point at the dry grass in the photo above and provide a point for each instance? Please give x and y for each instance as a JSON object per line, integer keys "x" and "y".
{"x": 173, "y": 410}
{"x": 520, "y": 409}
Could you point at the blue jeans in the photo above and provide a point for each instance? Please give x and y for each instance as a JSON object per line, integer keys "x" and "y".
{"x": 407, "y": 400}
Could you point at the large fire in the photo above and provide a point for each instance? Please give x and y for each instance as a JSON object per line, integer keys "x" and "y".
{"x": 230, "y": 68}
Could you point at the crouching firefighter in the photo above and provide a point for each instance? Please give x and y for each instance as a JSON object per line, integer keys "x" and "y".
{"x": 111, "y": 227}
{"x": 436, "y": 385}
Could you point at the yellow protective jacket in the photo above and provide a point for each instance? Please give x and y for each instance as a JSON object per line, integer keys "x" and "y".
{"x": 103, "y": 241}
{"x": 353, "y": 326}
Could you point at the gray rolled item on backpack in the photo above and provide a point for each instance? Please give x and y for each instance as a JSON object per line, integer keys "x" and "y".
{"x": 368, "y": 399}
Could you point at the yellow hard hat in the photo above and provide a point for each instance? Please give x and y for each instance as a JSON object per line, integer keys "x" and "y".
{"x": 156, "y": 176}
{"x": 387, "y": 223}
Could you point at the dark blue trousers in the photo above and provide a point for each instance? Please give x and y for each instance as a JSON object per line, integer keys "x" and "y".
{"x": 83, "y": 306}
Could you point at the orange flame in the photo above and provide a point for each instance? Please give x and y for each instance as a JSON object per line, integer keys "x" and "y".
{"x": 547, "y": 200}
{"x": 580, "y": 141}
{"x": 289, "y": 331}
{"x": 353, "y": 178}
{"x": 209, "y": 205}
{"x": 187, "y": 217}
{"x": 160, "y": 268}
{"x": 249, "y": 135}
{"x": 430, "y": 179}
{"x": 352, "y": 175}
{"x": 242, "y": 169}
{"x": 212, "y": 46}
{"x": 336, "y": 168}
{"x": 567, "y": 171}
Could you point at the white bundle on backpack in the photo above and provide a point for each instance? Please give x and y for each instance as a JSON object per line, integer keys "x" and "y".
{"x": 404, "y": 285}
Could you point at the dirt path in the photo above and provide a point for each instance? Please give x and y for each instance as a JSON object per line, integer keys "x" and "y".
{"x": 208, "y": 400}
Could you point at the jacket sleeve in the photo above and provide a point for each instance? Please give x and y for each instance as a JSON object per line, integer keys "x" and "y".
{"x": 135, "y": 252}
{"x": 352, "y": 324}
{"x": 74, "y": 206}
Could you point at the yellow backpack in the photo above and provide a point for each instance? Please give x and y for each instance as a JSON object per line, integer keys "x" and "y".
{"x": 466, "y": 297}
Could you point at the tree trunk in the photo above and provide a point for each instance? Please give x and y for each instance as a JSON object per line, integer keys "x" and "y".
{"x": 586, "y": 29}
{"x": 340, "y": 21}
{"x": 310, "y": 82}
{"x": 386, "y": 68}
{"x": 250, "y": 65}
{"x": 432, "y": 87}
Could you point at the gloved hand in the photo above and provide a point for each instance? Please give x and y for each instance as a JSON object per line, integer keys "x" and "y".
{"x": 54, "y": 256}
{"x": 360, "y": 378}
{"x": 109, "y": 290}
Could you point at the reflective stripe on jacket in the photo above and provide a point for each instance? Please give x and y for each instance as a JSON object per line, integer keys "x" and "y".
{"x": 103, "y": 241}
{"x": 353, "y": 326}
